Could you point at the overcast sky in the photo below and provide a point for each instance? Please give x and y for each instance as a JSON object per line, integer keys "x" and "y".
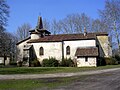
{"x": 27, "y": 11}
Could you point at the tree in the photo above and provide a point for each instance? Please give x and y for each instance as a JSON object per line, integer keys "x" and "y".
{"x": 46, "y": 24}
{"x": 23, "y": 31}
{"x": 99, "y": 26}
{"x": 73, "y": 23}
{"x": 111, "y": 17}
{"x": 4, "y": 14}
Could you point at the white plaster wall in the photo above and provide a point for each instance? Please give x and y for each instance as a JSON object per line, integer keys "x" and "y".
{"x": 90, "y": 63}
{"x": 20, "y": 50}
{"x": 51, "y": 49}
{"x": 7, "y": 61}
{"x": 75, "y": 44}
{"x": 1, "y": 59}
{"x": 35, "y": 36}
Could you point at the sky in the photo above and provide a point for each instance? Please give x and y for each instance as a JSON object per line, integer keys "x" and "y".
{"x": 27, "y": 11}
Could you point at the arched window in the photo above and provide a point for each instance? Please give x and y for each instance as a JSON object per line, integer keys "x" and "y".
{"x": 41, "y": 51}
{"x": 68, "y": 50}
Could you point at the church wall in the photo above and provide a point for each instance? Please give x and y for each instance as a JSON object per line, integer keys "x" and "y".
{"x": 82, "y": 63}
{"x": 35, "y": 36}
{"x": 20, "y": 50}
{"x": 51, "y": 49}
{"x": 104, "y": 46}
{"x": 75, "y": 44}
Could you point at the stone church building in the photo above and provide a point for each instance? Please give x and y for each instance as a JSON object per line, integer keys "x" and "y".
{"x": 84, "y": 48}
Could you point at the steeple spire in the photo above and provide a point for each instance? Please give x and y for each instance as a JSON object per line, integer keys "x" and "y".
{"x": 39, "y": 24}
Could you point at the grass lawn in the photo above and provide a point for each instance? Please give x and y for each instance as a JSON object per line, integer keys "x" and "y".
{"x": 37, "y": 84}
{"x": 47, "y": 83}
{"x": 46, "y": 70}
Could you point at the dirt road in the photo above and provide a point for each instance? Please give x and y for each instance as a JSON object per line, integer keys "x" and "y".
{"x": 34, "y": 76}
{"x": 103, "y": 81}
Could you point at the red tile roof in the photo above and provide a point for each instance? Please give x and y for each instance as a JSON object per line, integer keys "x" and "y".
{"x": 61, "y": 37}
{"x": 22, "y": 40}
{"x": 88, "y": 51}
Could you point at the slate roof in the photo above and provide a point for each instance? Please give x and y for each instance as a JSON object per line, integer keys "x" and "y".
{"x": 88, "y": 51}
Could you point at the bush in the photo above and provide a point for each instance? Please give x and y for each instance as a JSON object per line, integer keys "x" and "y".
{"x": 45, "y": 63}
{"x": 67, "y": 63}
{"x": 35, "y": 63}
{"x": 20, "y": 63}
{"x": 13, "y": 63}
{"x": 110, "y": 61}
{"x": 51, "y": 62}
{"x": 101, "y": 61}
{"x": 117, "y": 57}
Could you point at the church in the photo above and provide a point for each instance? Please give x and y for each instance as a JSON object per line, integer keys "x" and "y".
{"x": 84, "y": 48}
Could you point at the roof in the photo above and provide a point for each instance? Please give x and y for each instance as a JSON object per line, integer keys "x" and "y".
{"x": 39, "y": 28}
{"x": 101, "y": 33}
{"x": 39, "y": 31}
{"x": 22, "y": 40}
{"x": 61, "y": 37}
{"x": 88, "y": 51}
{"x": 27, "y": 47}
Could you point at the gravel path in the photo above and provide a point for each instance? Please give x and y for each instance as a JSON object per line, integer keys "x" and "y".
{"x": 33, "y": 76}
{"x": 108, "y": 80}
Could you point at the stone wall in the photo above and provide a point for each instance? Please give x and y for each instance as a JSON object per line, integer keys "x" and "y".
{"x": 104, "y": 46}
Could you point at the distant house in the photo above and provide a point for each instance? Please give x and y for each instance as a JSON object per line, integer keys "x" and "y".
{"x": 83, "y": 48}
{"x": 4, "y": 59}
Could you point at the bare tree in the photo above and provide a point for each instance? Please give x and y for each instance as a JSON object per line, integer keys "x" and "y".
{"x": 46, "y": 24}
{"x": 55, "y": 27}
{"x": 4, "y": 14}
{"x": 23, "y": 31}
{"x": 73, "y": 23}
{"x": 99, "y": 26}
{"x": 111, "y": 16}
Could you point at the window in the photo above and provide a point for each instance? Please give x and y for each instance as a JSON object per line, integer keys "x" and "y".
{"x": 41, "y": 51}
{"x": 86, "y": 59}
{"x": 68, "y": 50}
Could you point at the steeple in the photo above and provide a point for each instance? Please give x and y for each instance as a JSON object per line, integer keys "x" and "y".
{"x": 39, "y": 24}
{"x": 39, "y": 31}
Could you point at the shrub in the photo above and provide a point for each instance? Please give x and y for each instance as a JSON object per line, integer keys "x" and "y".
{"x": 110, "y": 61}
{"x": 13, "y": 63}
{"x": 20, "y": 63}
{"x": 51, "y": 62}
{"x": 35, "y": 63}
{"x": 45, "y": 62}
{"x": 106, "y": 61}
{"x": 101, "y": 61}
{"x": 67, "y": 63}
{"x": 117, "y": 57}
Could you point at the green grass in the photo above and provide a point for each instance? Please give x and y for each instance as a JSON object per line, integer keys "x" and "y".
{"x": 46, "y": 70}
{"x": 38, "y": 84}
{"x": 46, "y": 83}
